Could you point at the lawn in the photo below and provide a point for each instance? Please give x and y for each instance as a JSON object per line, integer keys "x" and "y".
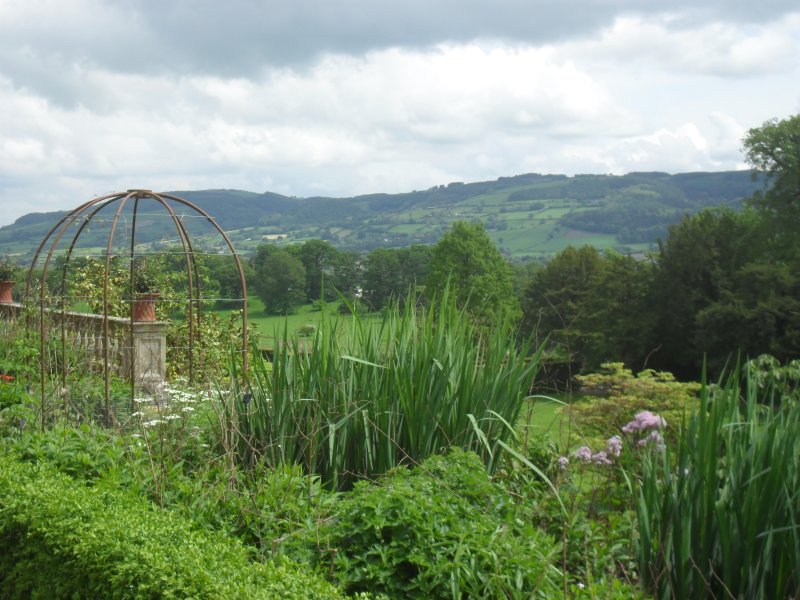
{"x": 544, "y": 417}
{"x": 269, "y": 325}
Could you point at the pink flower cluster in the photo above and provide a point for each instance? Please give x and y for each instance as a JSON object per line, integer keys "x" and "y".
{"x": 643, "y": 421}
{"x": 603, "y": 457}
{"x": 646, "y": 421}
{"x": 655, "y": 438}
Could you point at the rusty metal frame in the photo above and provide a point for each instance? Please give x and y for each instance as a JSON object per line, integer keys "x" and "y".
{"x": 87, "y": 212}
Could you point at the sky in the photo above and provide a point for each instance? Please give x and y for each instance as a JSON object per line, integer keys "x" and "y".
{"x": 316, "y": 97}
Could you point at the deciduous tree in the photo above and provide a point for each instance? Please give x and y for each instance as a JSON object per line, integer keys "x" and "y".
{"x": 773, "y": 149}
{"x": 280, "y": 280}
{"x": 480, "y": 276}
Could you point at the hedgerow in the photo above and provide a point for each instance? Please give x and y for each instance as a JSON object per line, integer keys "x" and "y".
{"x": 62, "y": 539}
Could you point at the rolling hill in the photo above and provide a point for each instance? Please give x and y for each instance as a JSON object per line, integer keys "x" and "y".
{"x": 528, "y": 216}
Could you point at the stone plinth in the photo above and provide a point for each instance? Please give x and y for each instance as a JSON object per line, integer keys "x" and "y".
{"x": 149, "y": 354}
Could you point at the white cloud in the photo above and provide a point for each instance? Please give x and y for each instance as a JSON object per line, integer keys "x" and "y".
{"x": 99, "y": 98}
{"x": 722, "y": 49}
{"x": 686, "y": 148}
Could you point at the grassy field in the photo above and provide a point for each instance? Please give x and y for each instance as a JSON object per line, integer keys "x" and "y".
{"x": 549, "y": 416}
{"x": 269, "y": 325}
{"x": 544, "y": 417}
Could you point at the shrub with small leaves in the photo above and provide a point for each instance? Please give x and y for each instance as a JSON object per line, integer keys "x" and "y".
{"x": 614, "y": 394}
{"x": 63, "y": 540}
{"x": 440, "y": 530}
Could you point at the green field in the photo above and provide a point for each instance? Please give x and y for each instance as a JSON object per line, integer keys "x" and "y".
{"x": 269, "y": 325}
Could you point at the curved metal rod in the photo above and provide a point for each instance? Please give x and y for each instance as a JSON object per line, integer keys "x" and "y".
{"x": 242, "y": 280}
{"x": 110, "y": 245}
{"x": 64, "y": 224}
{"x": 132, "y": 370}
{"x": 67, "y": 259}
{"x": 191, "y": 269}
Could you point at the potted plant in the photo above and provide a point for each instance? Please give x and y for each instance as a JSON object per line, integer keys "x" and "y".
{"x": 8, "y": 274}
{"x": 145, "y": 288}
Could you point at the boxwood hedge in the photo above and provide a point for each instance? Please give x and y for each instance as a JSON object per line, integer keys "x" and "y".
{"x": 61, "y": 539}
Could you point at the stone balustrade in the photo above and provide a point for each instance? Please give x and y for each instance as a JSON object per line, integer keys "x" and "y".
{"x": 136, "y": 350}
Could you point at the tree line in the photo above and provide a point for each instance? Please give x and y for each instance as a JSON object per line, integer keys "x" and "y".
{"x": 721, "y": 281}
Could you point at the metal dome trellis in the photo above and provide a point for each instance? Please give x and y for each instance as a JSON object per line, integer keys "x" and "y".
{"x": 82, "y": 217}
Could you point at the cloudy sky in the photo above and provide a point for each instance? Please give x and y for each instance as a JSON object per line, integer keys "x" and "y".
{"x": 337, "y": 98}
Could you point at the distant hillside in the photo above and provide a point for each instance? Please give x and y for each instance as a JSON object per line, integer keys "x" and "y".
{"x": 528, "y": 216}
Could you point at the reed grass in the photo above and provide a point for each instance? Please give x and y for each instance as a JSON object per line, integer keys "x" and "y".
{"x": 385, "y": 392}
{"x": 718, "y": 517}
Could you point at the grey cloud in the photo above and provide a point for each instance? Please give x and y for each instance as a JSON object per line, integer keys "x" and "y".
{"x": 235, "y": 38}
{"x": 240, "y": 37}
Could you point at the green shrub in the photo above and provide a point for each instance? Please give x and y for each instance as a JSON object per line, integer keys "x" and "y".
{"x": 266, "y": 509}
{"x": 719, "y": 516}
{"x": 263, "y": 508}
{"x": 767, "y": 373}
{"x": 61, "y": 539}
{"x": 12, "y": 393}
{"x": 441, "y": 530}
{"x": 615, "y": 395}
{"x": 85, "y": 452}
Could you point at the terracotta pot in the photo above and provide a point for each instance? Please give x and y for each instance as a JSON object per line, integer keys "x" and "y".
{"x": 144, "y": 307}
{"x": 5, "y": 292}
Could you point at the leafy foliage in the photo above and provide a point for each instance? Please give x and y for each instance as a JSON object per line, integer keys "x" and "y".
{"x": 774, "y": 149}
{"x": 391, "y": 272}
{"x": 9, "y": 271}
{"x": 590, "y": 306}
{"x": 61, "y": 539}
{"x": 280, "y": 280}
{"x": 615, "y": 395}
{"x": 164, "y": 272}
{"x": 481, "y": 279}
{"x": 770, "y": 377}
{"x": 441, "y": 530}
{"x": 722, "y": 282}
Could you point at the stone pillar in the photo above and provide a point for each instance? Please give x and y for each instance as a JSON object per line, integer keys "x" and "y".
{"x": 149, "y": 354}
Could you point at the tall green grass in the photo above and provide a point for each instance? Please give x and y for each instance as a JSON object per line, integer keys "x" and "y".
{"x": 356, "y": 402}
{"x": 720, "y": 516}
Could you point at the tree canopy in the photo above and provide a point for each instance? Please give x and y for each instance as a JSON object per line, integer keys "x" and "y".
{"x": 280, "y": 279}
{"x": 481, "y": 278}
{"x": 774, "y": 150}
{"x": 591, "y": 307}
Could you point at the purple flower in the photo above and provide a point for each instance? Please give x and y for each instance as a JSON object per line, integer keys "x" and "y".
{"x": 614, "y": 446}
{"x": 584, "y": 454}
{"x": 563, "y": 461}
{"x": 643, "y": 421}
{"x": 655, "y": 438}
{"x": 601, "y": 458}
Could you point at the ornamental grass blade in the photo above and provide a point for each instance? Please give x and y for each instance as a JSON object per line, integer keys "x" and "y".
{"x": 536, "y": 470}
{"x": 481, "y": 435}
{"x": 361, "y": 361}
